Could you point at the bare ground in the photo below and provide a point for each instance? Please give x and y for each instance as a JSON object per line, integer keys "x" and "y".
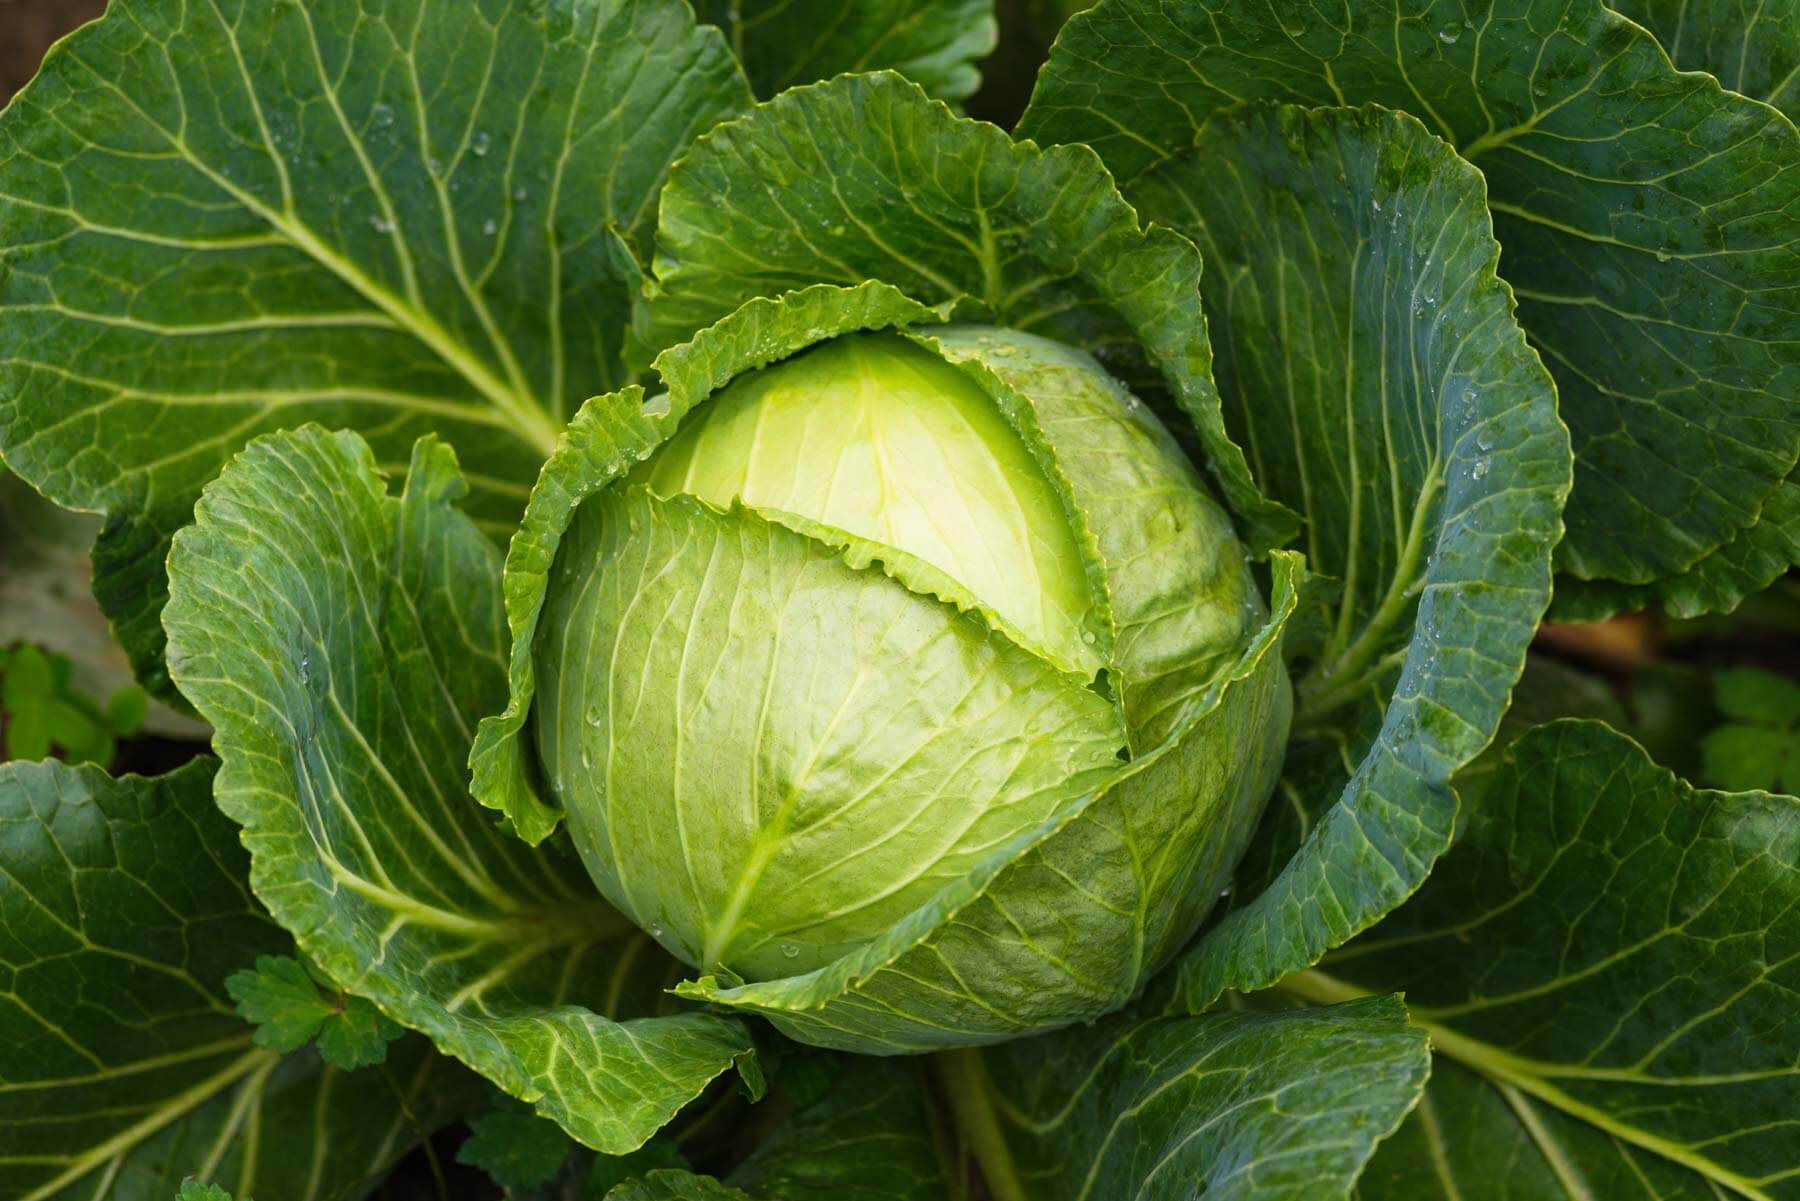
{"x": 27, "y": 27}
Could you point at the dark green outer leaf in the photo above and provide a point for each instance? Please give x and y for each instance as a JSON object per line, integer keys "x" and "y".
{"x": 225, "y": 218}
{"x": 1751, "y": 46}
{"x": 934, "y": 43}
{"x": 123, "y": 1067}
{"x": 1282, "y": 1106}
{"x": 1651, "y": 220}
{"x": 300, "y": 1130}
{"x": 122, "y": 909}
{"x": 1610, "y": 943}
{"x": 1750, "y": 562}
{"x": 344, "y": 644}
{"x": 863, "y": 178}
{"x": 1472, "y": 1140}
{"x": 606, "y": 438}
{"x": 868, "y": 1139}
{"x": 1382, "y": 388}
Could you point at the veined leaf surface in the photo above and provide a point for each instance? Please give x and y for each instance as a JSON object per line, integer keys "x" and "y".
{"x": 1660, "y": 1014}
{"x": 1272, "y": 1106}
{"x": 344, "y": 644}
{"x": 1472, "y": 1139}
{"x": 869, "y": 1138}
{"x": 783, "y": 43}
{"x": 123, "y": 1066}
{"x": 863, "y": 178}
{"x": 220, "y": 219}
{"x": 1649, "y": 220}
{"x": 1382, "y": 389}
{"x": 1750, "y": 46}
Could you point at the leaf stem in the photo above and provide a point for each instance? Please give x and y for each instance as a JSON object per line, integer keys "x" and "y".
{"x": 1505, "y": 1071}
{"x": 963, "y": 1081}
{"x": 1342, "y": 672}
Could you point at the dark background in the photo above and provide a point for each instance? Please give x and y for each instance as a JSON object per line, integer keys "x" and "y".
{"x": 27, "y": 27}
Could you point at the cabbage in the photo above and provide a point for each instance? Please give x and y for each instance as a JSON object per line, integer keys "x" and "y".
{"x": 861, "y": 621}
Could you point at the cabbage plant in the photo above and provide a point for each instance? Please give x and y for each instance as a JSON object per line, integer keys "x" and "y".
{"x": 931, "y": 610}
{"x": 766, "y": 637}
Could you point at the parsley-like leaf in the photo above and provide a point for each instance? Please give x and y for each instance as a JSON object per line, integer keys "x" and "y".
{"x": 289, "y": 1005}
{"x": 519, "y": 1150}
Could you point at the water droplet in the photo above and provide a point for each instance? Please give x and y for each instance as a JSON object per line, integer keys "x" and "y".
{"x": 1377, "y": 203}
{"x": 1484, "y": 440}
{"x": 1481, "y": 469}
{"x": 384, "y": 116}
{"x": 1448, "y": 36}
{"x": 1087, "y": 636}
{"x": 480, "y": 143}
{"x": 305, "y": 665}
{"x": 586, "y": 762}
{"x": 656, "y": 929}
{"x": 490, "y": 227}
{"x": 837, "y": 231}
{"x": 381, "y": 225}
{"x": 1662, "y": 256}
{"x": 595, "y": 716}
{"x": 434, "y": 166}
{"x": 790, "y": 951}
{"x": 520, "y": 194}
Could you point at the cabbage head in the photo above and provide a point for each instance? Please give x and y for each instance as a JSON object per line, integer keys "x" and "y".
{"x": 894, "y": 639}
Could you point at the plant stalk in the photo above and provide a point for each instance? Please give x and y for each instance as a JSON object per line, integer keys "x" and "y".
{"x": 963, "y": 1081}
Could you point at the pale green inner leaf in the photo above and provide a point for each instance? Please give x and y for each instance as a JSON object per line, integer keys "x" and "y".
{"x": 884, "y": 440}
{"x": 768, "y": 755}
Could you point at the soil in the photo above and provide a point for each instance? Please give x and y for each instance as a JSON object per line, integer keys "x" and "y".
{"x": 27, "y": 27}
